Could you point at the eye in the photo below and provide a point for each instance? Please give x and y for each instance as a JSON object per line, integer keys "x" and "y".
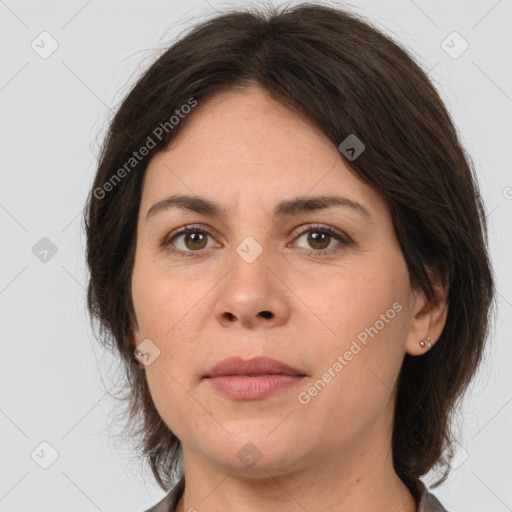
{"x": 320, "y": 238}
{"x": 187, "y": 240}
{"x": 192, "y": 240}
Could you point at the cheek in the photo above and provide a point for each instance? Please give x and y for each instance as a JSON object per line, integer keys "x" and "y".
{"x": 362, "y": 343}
{"x": 173, "y": 403}
{"x": 161, "y": 300}
{"x": 358, "y": 305}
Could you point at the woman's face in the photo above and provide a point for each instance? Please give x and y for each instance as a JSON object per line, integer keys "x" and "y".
{"x": 248, "y": 282}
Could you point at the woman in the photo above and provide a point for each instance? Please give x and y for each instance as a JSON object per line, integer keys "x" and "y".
{"x": 287, "y": 248}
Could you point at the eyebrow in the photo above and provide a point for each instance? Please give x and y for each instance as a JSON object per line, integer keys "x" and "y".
{"x": 285, "y": 208}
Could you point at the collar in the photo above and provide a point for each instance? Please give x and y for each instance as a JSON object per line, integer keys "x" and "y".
{"x": 427, "y": 502}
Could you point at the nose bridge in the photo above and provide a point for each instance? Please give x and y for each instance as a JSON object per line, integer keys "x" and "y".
{"x": 250, "y": 275}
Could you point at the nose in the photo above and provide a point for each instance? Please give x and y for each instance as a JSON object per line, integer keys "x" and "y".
{"x": 252, "y": 295}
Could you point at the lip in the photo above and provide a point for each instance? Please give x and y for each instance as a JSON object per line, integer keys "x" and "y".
{"x": 252, "y": 379}
{"x": 254, "y": 366}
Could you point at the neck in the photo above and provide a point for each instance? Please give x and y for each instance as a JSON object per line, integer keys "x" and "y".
{"x": 356, "y": 479}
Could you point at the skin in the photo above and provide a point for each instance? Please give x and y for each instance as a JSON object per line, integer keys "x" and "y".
{"x": 247, "y": 152}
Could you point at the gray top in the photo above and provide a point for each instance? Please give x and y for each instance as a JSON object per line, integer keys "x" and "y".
{"x": 428, "y": 502}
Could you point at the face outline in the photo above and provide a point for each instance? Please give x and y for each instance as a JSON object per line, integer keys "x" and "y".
{"x": 248, "y": 152}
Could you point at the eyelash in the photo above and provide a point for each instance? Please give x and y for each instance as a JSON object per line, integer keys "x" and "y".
{"x": 166, "y": 241}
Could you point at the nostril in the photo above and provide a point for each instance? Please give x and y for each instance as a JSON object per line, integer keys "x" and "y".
{"x": 266, "y": 314}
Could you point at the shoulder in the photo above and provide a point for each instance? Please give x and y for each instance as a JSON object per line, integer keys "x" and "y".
{"x": 429, "y": 503}
{"x": 169, "y": 502}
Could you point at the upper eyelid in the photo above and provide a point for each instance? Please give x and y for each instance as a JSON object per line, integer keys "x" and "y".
{"x": 208, "y": 229}
{"x": 320, "y": 227}
{"x": 189, "y": 227}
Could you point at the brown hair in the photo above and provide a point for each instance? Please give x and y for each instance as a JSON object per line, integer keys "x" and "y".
{"x": 336, "y": 69}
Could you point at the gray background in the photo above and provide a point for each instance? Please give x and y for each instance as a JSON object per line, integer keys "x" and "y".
{"x": 55, "y": 376}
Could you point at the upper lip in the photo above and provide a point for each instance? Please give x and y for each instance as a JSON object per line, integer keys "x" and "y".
{"x": 254, "y": 366}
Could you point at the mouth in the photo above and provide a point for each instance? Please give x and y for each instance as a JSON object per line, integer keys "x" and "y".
{"x": 254, "y": 379}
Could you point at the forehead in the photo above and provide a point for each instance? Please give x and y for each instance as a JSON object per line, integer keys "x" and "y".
{"x": 250, "y": 121}
{"x": 247, "y": 143}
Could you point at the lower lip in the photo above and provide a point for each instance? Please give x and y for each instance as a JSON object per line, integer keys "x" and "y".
{"x": 244, "y": 387}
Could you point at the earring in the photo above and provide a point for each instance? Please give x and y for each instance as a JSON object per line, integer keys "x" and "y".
{"x": 422, "y": 343}
{"x": 138, "y": 353}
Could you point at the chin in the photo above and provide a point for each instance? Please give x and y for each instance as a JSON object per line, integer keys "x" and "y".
{"x": 253, "y": 452}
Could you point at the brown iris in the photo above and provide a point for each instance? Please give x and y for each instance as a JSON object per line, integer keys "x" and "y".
{"x": 316, "y": 238}
{"x": 198, "y": 240}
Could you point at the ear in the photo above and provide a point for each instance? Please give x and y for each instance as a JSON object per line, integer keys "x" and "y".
{"x": 427, "y": 319}
{"x": 134, "y": 337}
